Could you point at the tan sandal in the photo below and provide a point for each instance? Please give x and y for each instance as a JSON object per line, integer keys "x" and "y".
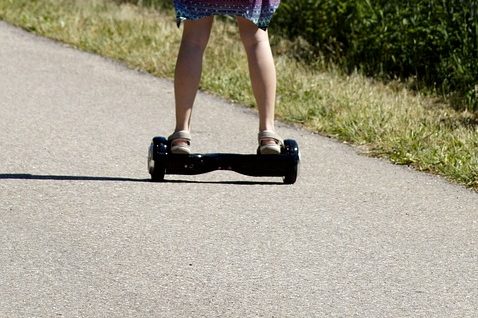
{"x": 183, "y": 138}
{"x": 269, "y": 148}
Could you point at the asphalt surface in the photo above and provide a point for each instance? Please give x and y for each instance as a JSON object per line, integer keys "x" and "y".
{"x": 83, "y": 233}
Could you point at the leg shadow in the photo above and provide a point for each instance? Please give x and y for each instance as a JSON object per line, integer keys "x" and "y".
{"x": 27, "y": 176}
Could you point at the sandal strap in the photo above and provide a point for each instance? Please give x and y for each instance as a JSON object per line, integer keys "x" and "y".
{"x": 182, "y": 134}
{"x": 269, "y": 134}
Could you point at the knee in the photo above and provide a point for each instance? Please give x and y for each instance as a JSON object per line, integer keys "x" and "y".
{"x": 196, "y": 33}
{"x": 251, "y": 36}
{"x": 197, "y": 43}
{"x": 252, "y": 43}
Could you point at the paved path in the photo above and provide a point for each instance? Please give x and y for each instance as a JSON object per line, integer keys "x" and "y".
{"x": 84, "y": 234}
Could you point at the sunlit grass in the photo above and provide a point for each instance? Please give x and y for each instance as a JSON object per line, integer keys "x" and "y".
{"x": 383, "y": 120}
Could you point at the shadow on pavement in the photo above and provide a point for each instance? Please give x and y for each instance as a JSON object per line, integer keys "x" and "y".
{"x": 225, "y": 182}
{"x": 27, "y": 176}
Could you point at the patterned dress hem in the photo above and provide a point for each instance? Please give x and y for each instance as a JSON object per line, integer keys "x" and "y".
{"x": 263, "y": 25}
{"x": 259, "y": 12}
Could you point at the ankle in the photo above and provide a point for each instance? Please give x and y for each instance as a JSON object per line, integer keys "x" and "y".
{"x": 266, "y": 128}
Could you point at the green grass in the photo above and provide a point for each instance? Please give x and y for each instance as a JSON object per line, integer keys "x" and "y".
{"x": 433, "y": 41}
{"x": 382, "y": 120}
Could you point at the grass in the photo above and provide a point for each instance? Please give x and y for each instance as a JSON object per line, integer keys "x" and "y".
{"x": 384, "y": 120}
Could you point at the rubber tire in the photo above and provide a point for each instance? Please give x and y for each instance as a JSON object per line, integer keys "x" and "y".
{"x": 157, "y": 155}
{"x": 291, "y": 149}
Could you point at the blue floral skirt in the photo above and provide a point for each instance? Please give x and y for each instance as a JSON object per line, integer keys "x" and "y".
{"x": 259, "y": 12}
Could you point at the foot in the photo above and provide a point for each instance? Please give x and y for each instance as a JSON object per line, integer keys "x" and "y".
{"x": 180, "y": 142}
{"x": 270, "y": 143}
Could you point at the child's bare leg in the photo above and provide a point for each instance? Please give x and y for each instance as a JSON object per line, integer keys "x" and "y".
{"x": 261, "y": 69}
{"x": 188, "y": 68}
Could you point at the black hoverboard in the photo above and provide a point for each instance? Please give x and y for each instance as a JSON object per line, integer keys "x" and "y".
{"x": 161, "y": 162}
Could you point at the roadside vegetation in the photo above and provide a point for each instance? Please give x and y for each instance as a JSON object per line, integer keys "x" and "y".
{"x": 385, "y": 119}
{"x": 432, "y": 42}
